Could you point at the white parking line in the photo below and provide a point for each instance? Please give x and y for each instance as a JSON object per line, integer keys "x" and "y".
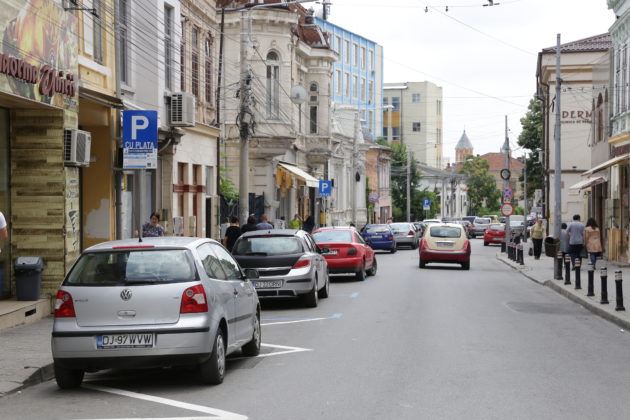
{"x": 288, "y": 350}
{"x": 215, "y": 412}
{"x": 292, "y": 322}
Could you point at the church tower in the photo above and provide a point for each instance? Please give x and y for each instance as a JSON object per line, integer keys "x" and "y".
{"x": 464, "y": 148}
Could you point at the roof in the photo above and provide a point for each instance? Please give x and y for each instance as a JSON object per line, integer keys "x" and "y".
{"x": 600, "y": 42}
{"x": 464, "y": 142}
{"x": 496, "y": 162}
{"x": 163, "y": 241}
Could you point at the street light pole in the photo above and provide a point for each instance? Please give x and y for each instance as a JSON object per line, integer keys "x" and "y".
{"x": 244, "y": 116}
{"x": 409, "y": 158}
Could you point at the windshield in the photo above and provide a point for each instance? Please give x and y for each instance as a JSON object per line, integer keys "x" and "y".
{"x": 377, "y": 229}
{"x": 132, "y": 267}
{"x": 267, "y": 245}
{"x": 332, "y": 236}
{"x": 482, "y": 221}
{"x": 445, "y": 232}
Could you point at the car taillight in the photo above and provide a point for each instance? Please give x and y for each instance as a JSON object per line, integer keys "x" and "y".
{"x": 352, "y": 251}
{"x": 302, "y": 262}
{"x": 390, "y": 237}
{"x": 64, "y": 308}
{"x": 194, "y": 300}
{"x": 411, "y": 233}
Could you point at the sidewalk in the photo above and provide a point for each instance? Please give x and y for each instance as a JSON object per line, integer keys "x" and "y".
{"x": 542, "y": 272}
{"x": 26, "y": 357}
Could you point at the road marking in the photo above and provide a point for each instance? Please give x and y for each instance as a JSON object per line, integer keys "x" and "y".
{"x": 284, "y": 321}
{"x": 288, "y": 350}
{"x": 215, "y": 412}
{"x": 336, "y": 316}
{"x": 355, "y": 294}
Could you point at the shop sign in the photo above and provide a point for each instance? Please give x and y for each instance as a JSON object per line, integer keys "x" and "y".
{"x": 48, "y": 80}
{"x": 576, "y": 117}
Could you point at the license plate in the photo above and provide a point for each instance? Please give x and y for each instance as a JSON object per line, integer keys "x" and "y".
{"x": 446, "y": 244}
{"x": 125, "y": 341}
{"x": 267, "y": 284}
{"x": 331, "y": 252}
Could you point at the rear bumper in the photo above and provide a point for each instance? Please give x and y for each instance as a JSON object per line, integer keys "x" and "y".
{"x": 444, "y": 256}
{"x": 344, "y": 265}
{"x": 405, "y": 240}
{"x": 493, "y": 239}
{"x": 383, "y": 245}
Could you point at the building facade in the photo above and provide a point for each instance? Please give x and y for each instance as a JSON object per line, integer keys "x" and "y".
{"x": 412, "y": 115}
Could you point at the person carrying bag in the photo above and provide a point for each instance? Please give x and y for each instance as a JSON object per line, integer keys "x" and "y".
{"x": 592, "y": 241}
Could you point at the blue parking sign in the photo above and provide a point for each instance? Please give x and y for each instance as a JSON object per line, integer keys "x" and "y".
{"x": 140, "y": 138}
{"x": 325, "y": 188}
{"x": 426, "y": 204}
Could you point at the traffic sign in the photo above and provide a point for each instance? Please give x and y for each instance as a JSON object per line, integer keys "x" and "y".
{"x": 508, "y": 194}
{"x": 325, "y": 188}
{"x": 373, "y": 198}
{"x": 426, "y": 204}
{"x": 140, "y": 138}
{"x": 507, "y": 209}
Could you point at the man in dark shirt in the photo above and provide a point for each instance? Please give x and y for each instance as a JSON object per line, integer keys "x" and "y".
{"x": 250, "y": 225}
{"x": 231, "y": 234}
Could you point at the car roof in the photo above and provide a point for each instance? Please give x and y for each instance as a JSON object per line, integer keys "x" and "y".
{"x": 267, "y": 232}
{"x": 160, "y": 242}
{"x": 342, "y": 228}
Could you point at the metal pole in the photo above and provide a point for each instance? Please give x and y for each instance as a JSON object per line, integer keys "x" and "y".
{"x": 117, "y": 131}
{"x": 408, "y": 186}
{"x": 354, "y": 168}
{"x": 557, "y": 174}
{"x": 243, "y": 180}
{"x": 525, "y": 211}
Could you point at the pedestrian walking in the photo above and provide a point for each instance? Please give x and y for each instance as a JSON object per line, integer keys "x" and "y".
{"x": 309, "y": 224}
{"x": 575, "y": 230}
{"x": 295, "y": 223}
{"x": 264, "y": 223}
{"x": 231, "y": 234}
{"x": 564, "y": 240}
{"x": 538, "y": 233}
{"x": 152, "y": 228}
{"x": 593, "y": 240}
{"x": 250, "y": 225}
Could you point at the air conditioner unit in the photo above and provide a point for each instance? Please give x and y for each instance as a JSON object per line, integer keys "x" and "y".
{"x": 76, "y": 147}
{"x": 183, "y": 109}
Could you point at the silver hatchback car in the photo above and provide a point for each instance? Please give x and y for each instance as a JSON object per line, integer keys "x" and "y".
{"x": 161, "y": 302}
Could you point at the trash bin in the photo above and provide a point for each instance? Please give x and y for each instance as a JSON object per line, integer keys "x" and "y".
{"x": 552, "y": 245}
{"x": 28, "y": 277}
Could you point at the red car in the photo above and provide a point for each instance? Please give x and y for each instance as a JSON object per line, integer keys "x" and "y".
{"x": 347, "y": 252}
{"x": 495, "y": 234}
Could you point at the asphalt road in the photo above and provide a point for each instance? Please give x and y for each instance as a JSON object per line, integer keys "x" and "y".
{"x": 437, "y": 343}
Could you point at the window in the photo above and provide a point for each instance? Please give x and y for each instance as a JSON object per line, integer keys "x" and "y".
{"x": 339, "y": 82}
{"x": 347, "y": 84}
{"x": 371, "y": 53}
{"x": 415, "y": 98}
{"x": 438, "y": 106}
{"x": 273, "y": 85}
{"x": 346, "y": 45}
{"x": 195, "y": 62}
{"x": 123, "y": 39}
{"x": 363, "y": 58}
{"x": 396, "y": 103}
{"x": 230, "y": 267}
{"x": 313, "y": 118}
{"x": 210, "y": 262}
{"x": 624, "y": 78}
{"x": 338, "y": 44}
{"x": 182, "y": 59}
{"x": 370, "y": 121}
{"x": 385, "y": 101}
{"x": 370, "y": 95}
{"x": 314, "y": 99}
{"x": 416, "y": 126}
{"x": 363, "y": 87}
{"x": 208, "y": 70}
{"x": 355, "y": 86}
{"x": 355, "y": 54}
{"x": 98, "y": 31}
{"x": 395, "y": 133}
{"x": 168, "y": 50}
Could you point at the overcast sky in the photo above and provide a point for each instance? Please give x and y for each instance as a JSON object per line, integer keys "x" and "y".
{"x": 484, "y": 58}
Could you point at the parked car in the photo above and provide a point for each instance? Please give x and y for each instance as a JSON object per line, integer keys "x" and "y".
{"x": 517, "y": 228}
{"x": 480, "y": 225}
{"x": 470, "y": 219}
{"x": 495, "y": 234}
{"x": 428, "y": 221}
{"x": 347, "y": 252}
{"x": 379, "y": 237}
{"x": 405, "y": 234}
{"x": 493, "y": 218}
{"x": 445, "y": 243}
{"x": 160, "y": 302}
{"x": 468, "y": 227}
{"x": 289, "y": 262}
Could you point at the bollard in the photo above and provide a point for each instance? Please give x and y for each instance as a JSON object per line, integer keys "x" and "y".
{"x": 558, "y": 266}
{"x": 511, "y": 244}
{"x": 503, "y": 244}
{"x": 521, "y": 257}
{"x": 619, "y": 291}
{"x": 509, "y": 250}
{"x": 591, "y": 280}
{"x": 567, "y": 269}
{"x": 604, "y": 276}
{"x": 578, "y": 276}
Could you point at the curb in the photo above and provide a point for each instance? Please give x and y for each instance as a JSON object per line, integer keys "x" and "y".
{"x": 586, "y": 303}
{"x": 40, "y": 375}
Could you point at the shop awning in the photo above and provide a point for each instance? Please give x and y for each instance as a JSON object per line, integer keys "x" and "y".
{"x": 299, "y": 173}
{"x": 589, "y": 182}
{"x": 607, "y": 164}
{"x": 100, "y": 98}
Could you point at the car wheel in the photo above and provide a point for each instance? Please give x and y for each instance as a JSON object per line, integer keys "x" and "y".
{"x": 325, "y": 291}
{"x": 312, "y": 298}
{"x": 360, "y": 276}
{"x": 372, "y": 271}
{"x": 485, "y": 243}
{"x": 212, "y": 371}
{"x": 252, "y": 348}
{"x": 68, "y": 378}
{"x": 393, "y": 250}
{"x": 421, "y": 263}
{"x": 474, "y": 236}
{"x": 414, "y": 245}
{"x": 466, "y": 265}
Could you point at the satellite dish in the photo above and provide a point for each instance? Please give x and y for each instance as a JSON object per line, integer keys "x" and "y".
{"x": 298, "y": 94}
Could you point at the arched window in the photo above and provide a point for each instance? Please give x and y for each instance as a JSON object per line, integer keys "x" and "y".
{"x": 600, "y": 118}
{"x": 313, "y": 104}
{"x": 273, "y": 85}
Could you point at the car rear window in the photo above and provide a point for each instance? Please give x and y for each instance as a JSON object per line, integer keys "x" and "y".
{"x": 398, "y": 227}
{"x": 333, "y": 236}
{"x": 445, "y": 232}
{"x": 267, "y": 245}
{"x": 377, "y": 229}
{"x": 497, "y": 227}
{"x": 482, "y": 221}
{"x": 132, "y": 267}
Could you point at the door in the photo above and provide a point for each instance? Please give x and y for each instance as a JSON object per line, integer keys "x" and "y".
{"x": 320, "y": 262}
{"x": 243, "y": 293}
{"x": 5, "y": 246}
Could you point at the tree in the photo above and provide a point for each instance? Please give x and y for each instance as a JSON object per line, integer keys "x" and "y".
{"x": 531, "y": 138}
{"x": 482, "y": 187}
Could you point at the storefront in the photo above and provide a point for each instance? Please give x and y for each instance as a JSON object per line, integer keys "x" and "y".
{"x": 39, "y": 194}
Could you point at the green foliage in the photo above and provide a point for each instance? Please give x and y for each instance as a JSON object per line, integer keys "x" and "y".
{"x": 226, "y": 187}
{"x": 482, "y": 187}
{"x": 531, "y": 138}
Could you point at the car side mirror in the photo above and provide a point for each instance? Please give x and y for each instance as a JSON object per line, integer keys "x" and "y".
{"x": 251, "y": 274}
